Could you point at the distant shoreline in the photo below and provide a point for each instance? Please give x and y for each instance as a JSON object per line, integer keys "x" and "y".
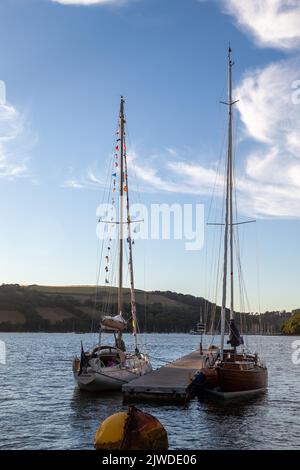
{"x": 144, "y": 332}
{"x": 67, "y": 309}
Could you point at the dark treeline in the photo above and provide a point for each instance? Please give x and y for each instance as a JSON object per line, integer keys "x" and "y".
{"x": 162, "y": 318}
{"x": 79, "y": 312}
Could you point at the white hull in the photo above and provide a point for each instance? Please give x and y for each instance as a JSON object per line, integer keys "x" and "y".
{"x": 110, "y": 378}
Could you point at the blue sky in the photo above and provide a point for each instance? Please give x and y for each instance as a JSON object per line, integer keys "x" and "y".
{"x": 65, "y": 67}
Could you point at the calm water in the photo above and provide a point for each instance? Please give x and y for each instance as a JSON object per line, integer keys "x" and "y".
{"x": 41, "y": 409}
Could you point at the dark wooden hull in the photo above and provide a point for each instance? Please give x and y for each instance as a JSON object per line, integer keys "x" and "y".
{"x": 211, "y": 378}
{"x": 235, "y": 380}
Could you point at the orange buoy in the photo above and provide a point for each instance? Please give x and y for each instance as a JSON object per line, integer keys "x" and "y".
{"x": 131, "y": 430}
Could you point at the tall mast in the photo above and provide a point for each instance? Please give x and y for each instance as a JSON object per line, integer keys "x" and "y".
{"x": 223, "y": 310}
{"x": 228, "y": 213}
{"x": 132, "y": 289}
{"x": 230, "y": 164}
{"x": 120, "y": 289}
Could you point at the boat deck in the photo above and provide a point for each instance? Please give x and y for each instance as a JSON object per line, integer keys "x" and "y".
{"x": 168, "y": 383}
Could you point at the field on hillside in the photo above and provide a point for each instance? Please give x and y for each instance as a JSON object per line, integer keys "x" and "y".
{"x": 78, "y": 308}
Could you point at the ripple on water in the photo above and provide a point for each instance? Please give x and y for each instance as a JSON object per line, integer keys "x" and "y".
{"x": 41, "y": 409}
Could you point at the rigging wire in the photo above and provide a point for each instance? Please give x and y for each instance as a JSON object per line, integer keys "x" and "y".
{"x": 215, "y": 238}
{"x": 99, "y": 255}
{"x": 136, "y": 191}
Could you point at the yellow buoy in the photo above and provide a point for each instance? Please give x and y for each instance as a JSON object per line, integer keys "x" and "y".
{"x": 131, "y": 430}
{"x": 110, "y": 434}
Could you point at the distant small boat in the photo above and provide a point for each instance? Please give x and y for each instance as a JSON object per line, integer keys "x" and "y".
{"x": 199, "y": 329}
{"x": 108, "y": 367}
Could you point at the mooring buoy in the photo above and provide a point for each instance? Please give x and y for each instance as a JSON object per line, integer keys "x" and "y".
{"x": 131, "y": 430}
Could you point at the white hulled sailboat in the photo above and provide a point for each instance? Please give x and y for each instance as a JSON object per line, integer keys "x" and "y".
{"x": 108, "y": 367}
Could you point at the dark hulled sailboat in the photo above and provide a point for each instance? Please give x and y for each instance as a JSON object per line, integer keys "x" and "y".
{"x": 237, "y": 372}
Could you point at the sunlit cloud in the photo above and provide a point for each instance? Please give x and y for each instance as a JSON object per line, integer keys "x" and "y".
{"x": 268, "y": 175}
{"x": 16, "y": 142}
{"x": 272, "y": 23}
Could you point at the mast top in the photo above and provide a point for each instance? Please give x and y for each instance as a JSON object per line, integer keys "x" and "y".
{"x": 231, "y": 62}
{"x": 122, "y": 109}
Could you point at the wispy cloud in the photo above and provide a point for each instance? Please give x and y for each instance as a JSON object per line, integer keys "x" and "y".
{"x": 72, "y": 183}
{"x": 271, "y": 117}
{"x": 16, "y": 142}
{"x": 272, "y": 23}
{"x": 268, "y": 179}
{"x": 171, "y": 151}
{"x": 268, "y": 176}
{"x": 91, "y": 179}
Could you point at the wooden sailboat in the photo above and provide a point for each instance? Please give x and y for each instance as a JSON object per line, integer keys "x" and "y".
{"x": 237, "y": 372}
{"x": 108, "y": 367}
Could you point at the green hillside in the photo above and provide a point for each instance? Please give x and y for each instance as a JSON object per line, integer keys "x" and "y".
{"x": 78, "y": 308}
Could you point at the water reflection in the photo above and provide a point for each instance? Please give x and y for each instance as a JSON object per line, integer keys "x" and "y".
{"x": 82, "y": 399}
{"x": 232, "y": 407}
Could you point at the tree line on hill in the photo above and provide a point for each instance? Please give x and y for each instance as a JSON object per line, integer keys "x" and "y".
{"x": 292, "y": 325}
{"x": 162, "y": 316}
